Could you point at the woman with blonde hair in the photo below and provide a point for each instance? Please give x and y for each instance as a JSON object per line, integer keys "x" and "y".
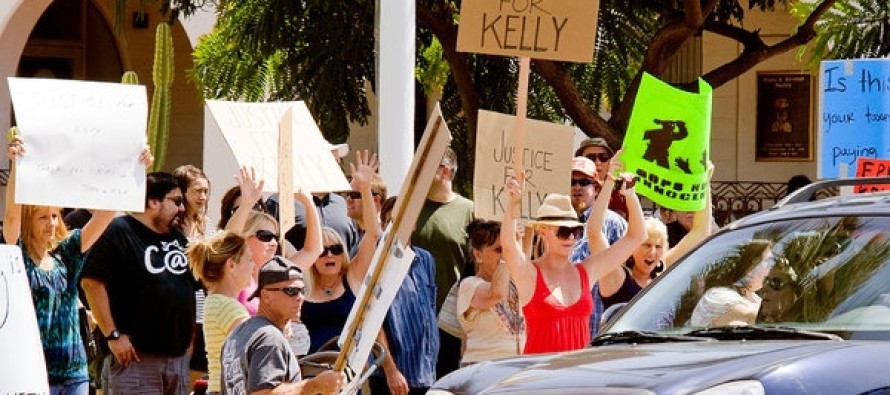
{"x": 554, "y": 293}
{"x": 53, "y": 260}
{"x": 652, "y": 256}
{"x": 222, "y": 263}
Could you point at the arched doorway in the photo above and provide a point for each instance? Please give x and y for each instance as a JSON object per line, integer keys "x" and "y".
{"x": 71, "y": 40}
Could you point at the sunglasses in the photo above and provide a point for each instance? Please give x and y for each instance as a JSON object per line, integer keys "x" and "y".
{"x": 289, "y": 291}
{"x": 265, "y": 236}
{"x": 602, "y": 157}
{"x": 178, "y": 200}
{"x": 356, "y": 195}
{"x": 564, "y": 232}
{"x": 777, "y": 284}
{"x": 336, "y": 249}
{"x": 582, "y": 182}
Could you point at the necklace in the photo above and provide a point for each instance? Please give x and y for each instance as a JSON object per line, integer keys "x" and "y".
{"x": 328, "y": 290}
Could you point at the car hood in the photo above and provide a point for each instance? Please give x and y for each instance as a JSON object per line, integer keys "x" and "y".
{"x": 661, "y": 368}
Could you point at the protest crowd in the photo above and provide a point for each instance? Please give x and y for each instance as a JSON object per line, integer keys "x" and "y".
{"x": 180, "y": 305}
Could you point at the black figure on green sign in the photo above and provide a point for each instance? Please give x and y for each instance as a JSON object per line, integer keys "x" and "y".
{"x": 660, "y": 141}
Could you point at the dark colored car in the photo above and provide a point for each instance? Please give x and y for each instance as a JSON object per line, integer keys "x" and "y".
{"x": 792, "y": 300}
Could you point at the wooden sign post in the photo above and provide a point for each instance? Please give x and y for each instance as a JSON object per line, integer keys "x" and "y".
{"x": 286, "y": 218}
{"x": 370, "y": 307}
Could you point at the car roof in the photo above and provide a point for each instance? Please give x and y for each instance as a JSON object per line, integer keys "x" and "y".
{"x": 801, "y": 203}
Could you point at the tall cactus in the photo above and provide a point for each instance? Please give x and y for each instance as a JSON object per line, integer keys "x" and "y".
{"x": 162, "y": 76}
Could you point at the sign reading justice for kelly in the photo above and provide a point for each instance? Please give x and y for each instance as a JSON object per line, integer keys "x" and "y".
{"x": 541, "y": 29}
{"x": 547, "y": 159}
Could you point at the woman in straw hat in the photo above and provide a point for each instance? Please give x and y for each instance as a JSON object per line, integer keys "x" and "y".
{"x": 554, "y": 293}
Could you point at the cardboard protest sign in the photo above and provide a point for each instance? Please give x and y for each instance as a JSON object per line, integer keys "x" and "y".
{"x": 542, "y": 29}
{"x": 21, "y": 362}
{"x": 868, "y": 167}
{"x": 854, "y": 113}
{"x": 382, "y": 294}
{"x": 392, "y": 259}
{"x": 252, "y": 130}
{"x": 83, "y": 141}
{"x": 666, "y": 144}
{"x": 546, "y": 158}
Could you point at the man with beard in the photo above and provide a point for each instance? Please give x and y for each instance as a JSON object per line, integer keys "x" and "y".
{"x": 137, "y": 282}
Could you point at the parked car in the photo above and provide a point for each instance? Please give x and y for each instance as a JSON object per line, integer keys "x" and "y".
{"x": 792, "y": 300}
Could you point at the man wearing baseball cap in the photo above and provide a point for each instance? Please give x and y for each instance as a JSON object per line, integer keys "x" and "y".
{"x": 600, "y": 153}
{"x": 256, "y": 357}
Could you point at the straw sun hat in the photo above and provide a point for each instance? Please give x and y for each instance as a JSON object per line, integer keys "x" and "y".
{"x": 556, "y": 210}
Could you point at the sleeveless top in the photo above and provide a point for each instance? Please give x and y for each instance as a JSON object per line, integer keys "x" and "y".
{"x": 629, "y": 289}
{"x": 552, "y": 326}
{"x": 325, "y": 320}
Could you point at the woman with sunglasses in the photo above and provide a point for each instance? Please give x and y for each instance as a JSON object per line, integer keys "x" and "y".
{"x": 223, "y": 264}
{"x": 333, "y": 279}
{"x": 651, "y": 257}
{"x": 261, "y": 231}
{"x": 53, "y": 260}
{"x": 555, "y": 294}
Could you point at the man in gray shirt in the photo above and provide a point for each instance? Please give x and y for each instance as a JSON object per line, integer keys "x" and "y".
{"x": 256, "y": 357}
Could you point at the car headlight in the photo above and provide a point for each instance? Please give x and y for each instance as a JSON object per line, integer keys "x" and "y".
{"x": 744, "y": 387}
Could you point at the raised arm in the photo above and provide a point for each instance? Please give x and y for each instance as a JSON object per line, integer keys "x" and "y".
{"x": 312, "y": 246}
{"x": 12, "y": 217}
{"x": 603, "y": 262}
{"x": 363, "y": 171}
{"x": 596, "y": 239}
{"x": 701, "y": 228}
{"x": 521, "y": 269}
{"x": 251, "y": 192}
{"x": 489, "y": 294}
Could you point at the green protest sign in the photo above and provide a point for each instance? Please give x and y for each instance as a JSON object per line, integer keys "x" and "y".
{"x": 666, "y": 144}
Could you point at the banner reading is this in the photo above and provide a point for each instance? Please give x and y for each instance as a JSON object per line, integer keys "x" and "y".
{"x": 666, "y": 144}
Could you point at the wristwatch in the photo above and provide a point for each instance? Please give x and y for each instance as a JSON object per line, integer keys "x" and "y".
{"x": 114, "y": 335}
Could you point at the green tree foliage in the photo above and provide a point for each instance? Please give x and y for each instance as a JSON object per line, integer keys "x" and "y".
{"x": 850, "y": 29}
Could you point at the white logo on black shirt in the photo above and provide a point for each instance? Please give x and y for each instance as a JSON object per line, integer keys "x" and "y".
{"x": 174, "y": 260}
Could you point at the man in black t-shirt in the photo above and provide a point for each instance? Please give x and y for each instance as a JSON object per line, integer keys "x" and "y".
{"x": 137, "y": 280}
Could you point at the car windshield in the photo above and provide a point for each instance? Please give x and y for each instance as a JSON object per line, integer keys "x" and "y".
{"x": 828, "y": 274}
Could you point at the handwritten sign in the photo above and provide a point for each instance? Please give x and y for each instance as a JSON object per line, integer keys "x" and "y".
{"x": 666, "y": 144}
{"x": 21, "y": 362}
{"x": 543, "y": 29}
{"x": 854, "y": 113}
{"x": 868, "y": 167}
{"x": 546, "y": 158}
{"x": 252, "y": 129}
{"x": 83, "y": 143}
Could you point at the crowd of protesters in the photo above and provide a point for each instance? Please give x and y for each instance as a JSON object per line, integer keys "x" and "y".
{"x": 176, "y": 299}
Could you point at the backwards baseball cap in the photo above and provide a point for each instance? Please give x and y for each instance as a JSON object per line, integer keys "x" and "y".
{"x": 584, "y": 166}
{"x": 276, "y": 270}
{"x": 594, "y": 142}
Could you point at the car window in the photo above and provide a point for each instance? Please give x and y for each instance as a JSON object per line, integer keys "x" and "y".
{"x": 829, "y": 274}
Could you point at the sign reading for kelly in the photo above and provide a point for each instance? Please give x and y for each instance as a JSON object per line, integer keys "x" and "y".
{"x": 547, "y": 159}
{"x": 541, "y": 29}
{"x": 854, "y": 113}
{"x": 868, "y": 167}
{"x": 666, "y": 144}
{"x": 252, "y": 129}
{"x": 83, "y": 141}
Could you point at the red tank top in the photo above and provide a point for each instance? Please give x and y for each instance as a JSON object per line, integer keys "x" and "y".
{"x": 552, "y": 326}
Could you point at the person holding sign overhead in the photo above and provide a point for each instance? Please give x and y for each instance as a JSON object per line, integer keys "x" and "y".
{"x": 555, "y": 294}
{"x": 53, "y": 260}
